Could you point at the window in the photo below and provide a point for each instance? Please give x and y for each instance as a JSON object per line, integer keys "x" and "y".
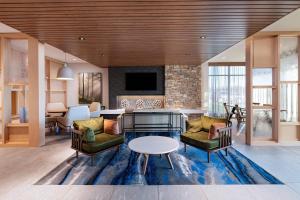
{"x": 226, "y": 85}
{"x": 289, "y": 79}
{"x": 262, "y": 86}
{"x": 262, "y": 102}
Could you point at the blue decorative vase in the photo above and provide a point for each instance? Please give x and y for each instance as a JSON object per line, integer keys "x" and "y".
{"x": 23, "y": 115}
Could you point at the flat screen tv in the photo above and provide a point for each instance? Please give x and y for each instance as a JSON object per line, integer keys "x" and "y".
{"x": 140, "y": 81}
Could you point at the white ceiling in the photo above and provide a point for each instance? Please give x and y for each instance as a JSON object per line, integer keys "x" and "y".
{"x": 234, "y": 54}
{"x": 7, "y": 29}
{"x": 237, "y": 52}
{"x": 58, "y": 54}
{"x": 50, "y": 51}
{"x": 289, "y": 22}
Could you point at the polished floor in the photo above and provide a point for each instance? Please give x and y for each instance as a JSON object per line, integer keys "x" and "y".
{"x": 20, "y": 168}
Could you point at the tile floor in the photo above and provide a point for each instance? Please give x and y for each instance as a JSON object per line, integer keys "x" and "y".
{"x": 21, "y": 167}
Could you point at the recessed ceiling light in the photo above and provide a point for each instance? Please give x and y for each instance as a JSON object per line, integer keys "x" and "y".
{"x": 74, "y": 59}
{"x": 202, "y": 37}
{"x": 81, "y": 38}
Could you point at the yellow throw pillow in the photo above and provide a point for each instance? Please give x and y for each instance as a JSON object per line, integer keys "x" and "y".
{"x": 194, "y": 125}
{"x": 208, "y": 121}
{"x": 96, "y": 124}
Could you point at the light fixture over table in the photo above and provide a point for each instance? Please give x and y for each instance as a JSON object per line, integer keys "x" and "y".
{"x": 65, "y": 72}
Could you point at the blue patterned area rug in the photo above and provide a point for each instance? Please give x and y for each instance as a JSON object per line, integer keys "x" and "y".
{"x": 124, "y": 167}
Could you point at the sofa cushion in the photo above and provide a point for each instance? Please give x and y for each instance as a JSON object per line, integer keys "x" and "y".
{"x": 194, "y": 125}
{"x": 96, "y": 124}
{"x": 89, "y": 135}
{"x": 208, "y": 121}
{"x": 103, "y": 141}
{"x": 111, "y": 126}
{"x": 213, "y": 131}
{"x": 200, "y": 140}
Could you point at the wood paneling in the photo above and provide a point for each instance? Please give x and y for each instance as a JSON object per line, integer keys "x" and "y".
{"x": 140, "y": 32}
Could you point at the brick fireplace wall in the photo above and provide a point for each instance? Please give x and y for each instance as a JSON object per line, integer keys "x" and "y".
{"x": 183, "y": 86}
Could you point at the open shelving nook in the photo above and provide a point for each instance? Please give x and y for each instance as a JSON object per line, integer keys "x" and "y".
{"x": 264, "y": 55}
{"x": 56, "y": 90}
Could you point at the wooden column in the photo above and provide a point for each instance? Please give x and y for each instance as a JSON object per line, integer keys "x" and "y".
{"x": 6, "y": 90}
{"x": 276, "y": 91}
{"x": 36, "y": 94}
{"x": 298, "y": 80}
{"x": 2, "y": 124}
{"x": 249, "y": 111}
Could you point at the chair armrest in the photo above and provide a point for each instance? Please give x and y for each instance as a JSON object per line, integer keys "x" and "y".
{"x": 225, "y": 136}
{"x": 77, "y": 139}
{"x": 78, "y": 132}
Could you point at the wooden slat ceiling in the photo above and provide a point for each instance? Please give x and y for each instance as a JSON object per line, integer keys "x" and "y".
{"x": 142, "y": 32}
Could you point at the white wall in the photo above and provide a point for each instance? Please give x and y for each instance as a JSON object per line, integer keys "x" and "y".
{"x": 72, "y": 86}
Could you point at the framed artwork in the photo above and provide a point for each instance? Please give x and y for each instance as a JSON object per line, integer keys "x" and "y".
{"x": 90, "y": 87}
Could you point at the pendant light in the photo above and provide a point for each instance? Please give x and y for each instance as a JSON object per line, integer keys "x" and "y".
{"x": 65, "y": 72}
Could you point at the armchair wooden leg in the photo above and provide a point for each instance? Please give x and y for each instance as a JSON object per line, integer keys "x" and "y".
{"x": 76, "y": 154}
{"x": 208, "y": 156}
{"x": 226, "y": 151}
{"x": 184, "y": 147}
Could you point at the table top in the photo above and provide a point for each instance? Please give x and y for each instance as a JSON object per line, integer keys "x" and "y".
{"x": 57, "y": 111}
{"x": 112, "y": 112}
{"x": 153, "y": 145}
{"x": 175, "y": 110}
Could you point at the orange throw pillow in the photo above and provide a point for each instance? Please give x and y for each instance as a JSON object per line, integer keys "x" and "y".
{"x": 213, "y": 133}
{"x": 111, "y": 127}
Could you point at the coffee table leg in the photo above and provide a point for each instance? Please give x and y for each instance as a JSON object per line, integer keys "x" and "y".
{"x": 169, "y": 160}
{"x": 145, "y": 163}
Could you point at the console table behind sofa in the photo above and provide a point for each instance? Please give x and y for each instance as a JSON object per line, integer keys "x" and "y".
{"x": 152, "y": 121}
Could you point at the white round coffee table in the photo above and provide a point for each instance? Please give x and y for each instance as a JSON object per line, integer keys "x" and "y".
{"x": 154, "y": 145}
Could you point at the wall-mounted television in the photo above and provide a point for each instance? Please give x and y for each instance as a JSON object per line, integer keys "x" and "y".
{"x": 141, "y": 81}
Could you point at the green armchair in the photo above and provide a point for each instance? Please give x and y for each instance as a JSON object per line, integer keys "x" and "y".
{"x": 88, "y": 137}
{"x": 197, "y": 135}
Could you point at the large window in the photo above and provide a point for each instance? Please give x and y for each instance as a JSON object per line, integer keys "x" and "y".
{"x": 262, "y": 86}
{"x": 262, "y": 102}
{"x": 289, "y": 79}
{"x": 226, "y": 85}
